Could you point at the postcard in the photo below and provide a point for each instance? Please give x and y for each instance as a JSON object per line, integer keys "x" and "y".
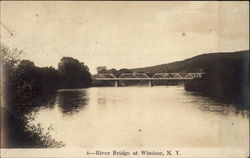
{"x": 127, "y": 79}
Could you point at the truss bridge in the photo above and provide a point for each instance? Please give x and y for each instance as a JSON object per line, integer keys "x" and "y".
{"x": 145, "y": 77}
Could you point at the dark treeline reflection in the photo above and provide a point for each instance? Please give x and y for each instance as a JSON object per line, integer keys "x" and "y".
{"x": 72, "y": 101}
{"x": 215, "y": 105}
{"x": 224, "y": 109}
{"x": 16, "y": 118}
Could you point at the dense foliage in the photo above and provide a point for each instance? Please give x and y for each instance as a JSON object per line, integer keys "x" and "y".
{"x": 23, "y": 77}
{"x": 26, "y": 87}
{"x": 227, "y": 78}
{"x": 74, "y": 73}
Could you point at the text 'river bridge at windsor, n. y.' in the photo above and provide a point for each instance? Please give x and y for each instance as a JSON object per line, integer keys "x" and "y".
{"x": 145, "y": 77}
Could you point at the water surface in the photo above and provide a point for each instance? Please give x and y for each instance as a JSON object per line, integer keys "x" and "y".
{"x": 163, "y": 116}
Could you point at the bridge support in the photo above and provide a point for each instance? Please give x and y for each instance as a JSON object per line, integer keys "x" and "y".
{"x": 116, "y": 83}
{"x": 150, "y": 83}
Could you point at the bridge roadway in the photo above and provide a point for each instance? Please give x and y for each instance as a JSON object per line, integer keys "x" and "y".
{"x": 140, "y": 79}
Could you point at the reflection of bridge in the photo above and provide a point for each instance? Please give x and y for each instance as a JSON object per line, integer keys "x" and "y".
{"x": 145, "y": 77}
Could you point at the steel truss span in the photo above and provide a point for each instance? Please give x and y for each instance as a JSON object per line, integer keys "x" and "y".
{"x": 144, "y": 76}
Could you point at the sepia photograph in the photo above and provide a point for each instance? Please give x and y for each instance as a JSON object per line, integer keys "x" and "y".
{"x": 151, "y": 79}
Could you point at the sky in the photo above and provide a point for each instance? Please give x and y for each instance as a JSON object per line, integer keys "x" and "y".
{"x": 123, "y": 34}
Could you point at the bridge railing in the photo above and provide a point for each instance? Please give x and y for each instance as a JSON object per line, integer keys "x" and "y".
{"x": 156, "y": 75}
{"x": 193, "y": 75}
{"x": 167, "y": 75}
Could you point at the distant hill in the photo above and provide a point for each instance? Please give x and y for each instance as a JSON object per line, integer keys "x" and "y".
{"x": 226, "y": 78}
{"x": 205, "y": 62}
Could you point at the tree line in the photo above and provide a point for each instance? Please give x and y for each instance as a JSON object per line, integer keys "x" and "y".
{"x": 23, "y": 77}
{"x": 26, "y": 86}
{"x": 226, "y": 79}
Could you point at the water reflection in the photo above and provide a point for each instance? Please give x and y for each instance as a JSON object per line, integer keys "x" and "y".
{"x": 18, "y": 129}
{"x": 43, "y": 101}
{"x": 223, "y": 109}
{"x": 72, "y": 101}
{"x": 101, "y": 100}
{"x": 217, "y": 106}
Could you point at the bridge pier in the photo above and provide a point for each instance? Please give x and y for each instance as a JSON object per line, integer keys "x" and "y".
{"x": 150, "y": 83}
{"x": 116, "y": 83}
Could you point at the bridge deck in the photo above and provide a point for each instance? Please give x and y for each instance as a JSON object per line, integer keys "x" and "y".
{"x": 137, "y": 79}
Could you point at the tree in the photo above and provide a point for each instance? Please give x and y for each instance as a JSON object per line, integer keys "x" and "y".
{"x": 113, "y": 71}
{"x": 101, "y": 69}
{"x": 25, "y": 70}
{"x": 76, "y": 73}
{"x": 10, "y": 58}
{"x": 121, "y": 71}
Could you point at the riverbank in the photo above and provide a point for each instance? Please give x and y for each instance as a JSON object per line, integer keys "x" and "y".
{"x": 226, "y": 79}
{"x": 226, "y": 89}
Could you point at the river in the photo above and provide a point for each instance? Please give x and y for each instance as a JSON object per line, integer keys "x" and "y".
{"x": 134, "y": 117}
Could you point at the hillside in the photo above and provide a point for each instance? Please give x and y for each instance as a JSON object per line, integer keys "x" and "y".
{"x": 226, "y": 78}
{"x": 206, "y": 62}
